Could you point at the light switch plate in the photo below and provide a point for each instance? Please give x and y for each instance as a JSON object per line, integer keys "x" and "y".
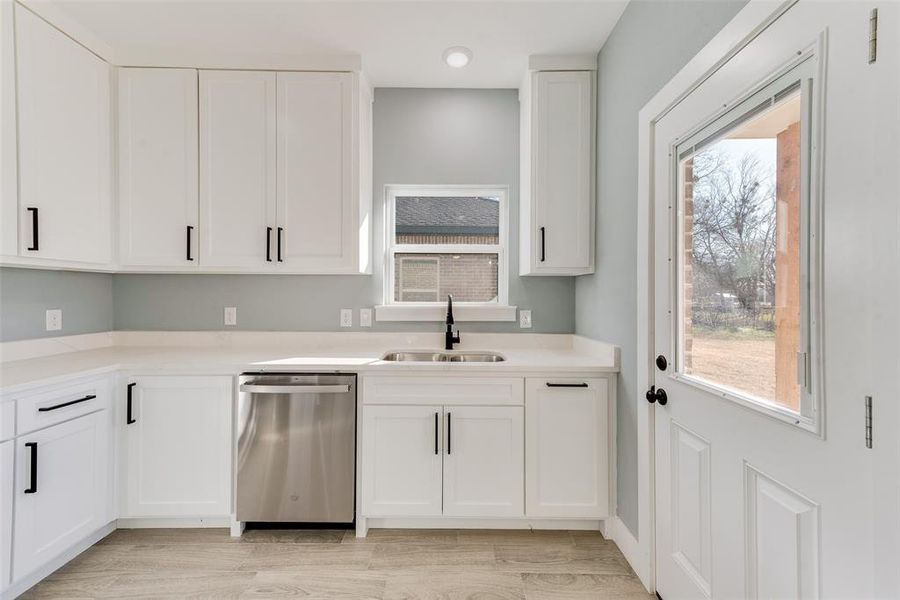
{"x": 54, "y": 319}
{"x": 365, "y": 317}
{"x": 525, "y": 319}
{"x": 231, "y": 315}
{"x": 346, "y": 317}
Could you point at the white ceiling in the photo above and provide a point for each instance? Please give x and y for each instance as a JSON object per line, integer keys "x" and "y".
{"x": 400, "y": 42}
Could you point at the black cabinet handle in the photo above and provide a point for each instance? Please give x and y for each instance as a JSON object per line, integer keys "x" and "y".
{"x": 543, "y": 245}
{"x": 32, "y": 485}
{"x": 278, "y": 243}
{"x": 190, "y": 229}
{"x": 567, "y": 385}
{"x": 436, "y": 428}
{"x": 65, "y": 404}
{"x": 128, "y": 417}
{"x": 449, "y": 433}
{"x": 268, "y": 244}
{"x": 35, "y": 239}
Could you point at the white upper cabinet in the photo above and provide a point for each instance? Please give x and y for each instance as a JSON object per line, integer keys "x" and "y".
{"x": 158, "y": 196}
{"x": 237, "y": 170}
{"x": 64, "y": 146}
{"x": 317, "y": 202}
{"x": 557, "y": 195}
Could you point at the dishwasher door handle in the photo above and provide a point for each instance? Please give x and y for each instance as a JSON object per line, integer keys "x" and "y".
{"x": 294, "y": 389}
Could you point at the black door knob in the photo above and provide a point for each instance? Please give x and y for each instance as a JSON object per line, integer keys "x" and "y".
{"x": 661, "y": 363}
{"x": 657, "y": 395}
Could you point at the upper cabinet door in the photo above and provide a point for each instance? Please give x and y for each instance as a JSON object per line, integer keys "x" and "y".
{"x": 317, "y": 170}
{"x": 237, "y": 169}
{"x": 64, "y": 146}
{"x": 158, "y": 205}
{"x": 559, "y": 195}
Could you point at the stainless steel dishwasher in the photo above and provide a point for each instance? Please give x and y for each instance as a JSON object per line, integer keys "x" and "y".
{"x": 296, "y": 448}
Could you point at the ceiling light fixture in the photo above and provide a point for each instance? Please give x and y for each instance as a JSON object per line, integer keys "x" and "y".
{"x": 457, "y": 56}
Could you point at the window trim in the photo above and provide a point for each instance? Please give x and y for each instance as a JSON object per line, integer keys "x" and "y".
{"x": 391, "y": 310}
{"x": 808, "y": 68}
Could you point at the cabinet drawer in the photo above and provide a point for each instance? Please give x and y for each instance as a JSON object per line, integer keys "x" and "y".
{"x": 7, "y": 420}
{"x": 444, "y": 391}
{"x": 61, "y": 403}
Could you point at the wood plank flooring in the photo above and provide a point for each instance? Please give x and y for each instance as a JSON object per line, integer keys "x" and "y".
{"x": 326, "y": 564}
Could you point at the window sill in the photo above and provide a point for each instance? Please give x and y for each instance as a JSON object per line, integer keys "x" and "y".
{"x": 438, "y": 312}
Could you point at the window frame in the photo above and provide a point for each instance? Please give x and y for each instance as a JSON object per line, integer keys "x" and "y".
{"x": 807, "y": 69}
{"x": 501, "y": 249}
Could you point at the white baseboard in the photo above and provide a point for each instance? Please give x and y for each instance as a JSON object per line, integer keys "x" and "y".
{"x": 173, "y": 522}
{"x": 472, "y": 523}
{"x": 23, "y": 585}
{"x": 631, "y": 550}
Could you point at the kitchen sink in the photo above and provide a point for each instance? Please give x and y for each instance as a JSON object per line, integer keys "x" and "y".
{"x": 418, "y": 356}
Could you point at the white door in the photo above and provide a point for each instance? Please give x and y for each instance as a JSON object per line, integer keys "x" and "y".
{"x": 64, "y": 145}
{"x": 401, "y": 461}
{"x": 158, "y": 201}
{"x": 567, "y": 448}
{"x": 484, "y": 462}
{"x": 764, "y": 283}
{"x": 237, "y": 169}
{"x": 562, "y": 138}
{"x": 316, "y": 161}
{"x": 7, "y": 453}
{"x": 62, "y": 489}
{"x": 178, "y": 448}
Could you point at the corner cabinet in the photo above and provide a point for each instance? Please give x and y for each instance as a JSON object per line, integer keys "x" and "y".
{"x": 64, "y": 130}
{"x": 557, "y": 141}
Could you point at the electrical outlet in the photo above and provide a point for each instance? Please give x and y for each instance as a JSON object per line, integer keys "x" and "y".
{"x": 365, "y": 317}
{"x": 346, "y": 317}
{"x": 54, "y": 319}
{"x": 525, "y": 319}
{"x": 231, "y": 315}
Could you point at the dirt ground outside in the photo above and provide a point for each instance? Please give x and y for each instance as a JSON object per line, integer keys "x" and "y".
{"x": 744, "y": 360}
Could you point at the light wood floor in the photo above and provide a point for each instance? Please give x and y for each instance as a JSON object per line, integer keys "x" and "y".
{"x": 388, "y": 565}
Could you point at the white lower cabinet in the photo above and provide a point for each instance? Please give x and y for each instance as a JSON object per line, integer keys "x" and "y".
{"x": 567, "y": 448}
{"x": 484, "y": 461}
{"x": 401, "y": 460}
{"x": 61, "y": 489}
{"x": 176, "y": 447}
{"x": 7, "y": 453}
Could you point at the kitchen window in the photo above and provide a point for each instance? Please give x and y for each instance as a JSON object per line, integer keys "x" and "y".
{"x": 447, "y": 241}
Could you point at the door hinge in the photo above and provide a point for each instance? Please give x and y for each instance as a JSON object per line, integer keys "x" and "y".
{"x": 869, "y": 422}
{"x": 873, "y": 35}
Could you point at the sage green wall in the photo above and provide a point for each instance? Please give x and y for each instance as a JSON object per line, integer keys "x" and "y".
{"x": 652, "y": 41}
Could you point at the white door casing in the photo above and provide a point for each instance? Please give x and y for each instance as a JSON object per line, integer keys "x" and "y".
{"x": 747, "y": 504}
{"x": 7, "y": 454}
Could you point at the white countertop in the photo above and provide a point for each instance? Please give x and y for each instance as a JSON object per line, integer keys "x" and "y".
{"x": 236, "y": 352}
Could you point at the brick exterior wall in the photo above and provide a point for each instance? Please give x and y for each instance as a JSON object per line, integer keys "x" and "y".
{"x": 467, "y": 277}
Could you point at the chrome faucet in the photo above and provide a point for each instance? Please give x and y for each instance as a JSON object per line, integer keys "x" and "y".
{"x": 449, "y": 338}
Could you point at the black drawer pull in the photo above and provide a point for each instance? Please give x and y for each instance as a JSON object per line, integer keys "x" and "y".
{"x": 449, "y": 433}
{"x": 543, "y": 245}
{"x": 268, "y": 244}
{"x": 567, "y": 385}
{"x": 65, "y": 404}
{"x": 34, "y": 229}
{"x": 436, "y": 429}
{"x": 32, "y": 486}
{"x": 278, "y": 243}
{"x": 128, "y": 417}
{"x": 190, "y": 229}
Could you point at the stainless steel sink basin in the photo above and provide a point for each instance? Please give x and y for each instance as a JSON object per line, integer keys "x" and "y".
{"x": 420, "y": 356}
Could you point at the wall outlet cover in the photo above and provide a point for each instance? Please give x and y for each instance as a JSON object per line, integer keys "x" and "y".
{"x": 346, "y": 317}
{"x": 365, "y": 317}
{"x": 525, "y": 319}
{"x": 231, "y": 315}
{"x": 54, "y": 319}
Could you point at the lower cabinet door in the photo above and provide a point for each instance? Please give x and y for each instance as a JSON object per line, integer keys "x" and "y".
{"x": 401, "y": 461}
{"x": 62, "y": 485}
{"x": 483, "y": 461}
{"x": 177, "y": 448}
{"x": 7, "y": 453}
{"x": 566, "y": 448}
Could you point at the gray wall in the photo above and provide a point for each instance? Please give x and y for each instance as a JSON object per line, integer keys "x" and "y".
{"x": 86, "y": 300}
{"x": 421, "y": 136}
{"x": 651, "y": 42}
